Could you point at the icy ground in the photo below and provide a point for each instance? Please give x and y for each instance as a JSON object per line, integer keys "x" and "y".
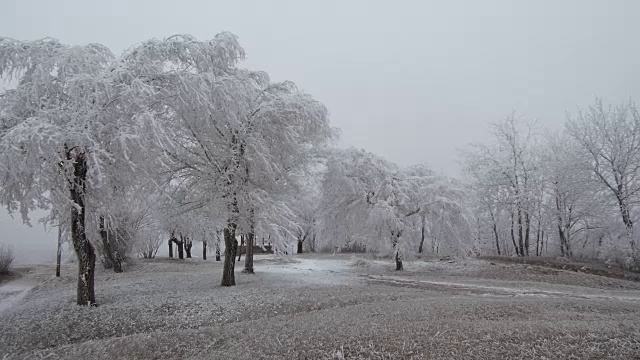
{"x": 322, "y": 307}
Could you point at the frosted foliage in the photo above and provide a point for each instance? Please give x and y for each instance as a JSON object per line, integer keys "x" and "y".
{"x": 240, "y": 143}
{"x": 370, "y": 201}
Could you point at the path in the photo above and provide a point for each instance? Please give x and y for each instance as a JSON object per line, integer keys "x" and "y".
{"x": 12, "y": 293}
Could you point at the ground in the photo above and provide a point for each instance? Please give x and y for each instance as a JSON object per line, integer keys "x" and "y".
{"x": 323, "y": 307}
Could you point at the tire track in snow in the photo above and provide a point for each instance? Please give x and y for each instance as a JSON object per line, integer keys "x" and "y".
{"x": 487, "y": 290}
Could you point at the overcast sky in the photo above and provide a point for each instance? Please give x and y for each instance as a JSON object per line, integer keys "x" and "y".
{"x": 409, "y": 80}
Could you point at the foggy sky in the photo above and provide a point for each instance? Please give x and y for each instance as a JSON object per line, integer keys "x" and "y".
{"x": 409, "y": 80}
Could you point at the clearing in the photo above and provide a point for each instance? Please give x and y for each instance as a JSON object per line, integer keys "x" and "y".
{"x": 323, "y": 307}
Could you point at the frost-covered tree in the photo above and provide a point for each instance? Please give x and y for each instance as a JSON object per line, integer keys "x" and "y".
{"x": 510, "y": 167}
{"x": 54, "y": 135}
{"x": 239, "y": 141}
{"x": 368, "y": 200}
{"x": 609, "y": 136}
{"x": 79, "y": 121}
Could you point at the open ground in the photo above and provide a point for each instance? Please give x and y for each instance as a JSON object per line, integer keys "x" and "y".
{"x": 323, "y": 307}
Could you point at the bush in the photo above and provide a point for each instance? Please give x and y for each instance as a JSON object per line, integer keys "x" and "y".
{"x": 360, "y": 262}
{"x": 6, "y": 259}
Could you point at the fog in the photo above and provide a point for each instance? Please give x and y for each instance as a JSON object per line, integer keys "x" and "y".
{"x": 412, "y": 81}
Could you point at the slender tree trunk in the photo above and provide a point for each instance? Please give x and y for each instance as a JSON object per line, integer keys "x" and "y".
{"x": 218, "y": 251}
{"x": 513, "y": 237}
{"x": 248, "y": 257}
{"x": 84, "y": 250}
{"x": 204, "y": 250}
{"x": 299, "y": 251}
{"x": 171, "y": 246}
{"x": 240, "y": 248}
{"x": 538, "y": 241}
{"x": 520, "y": 233}
{"x": 626, "y": 218}
{"x": 231, "y": 245}
{"x": 112, "y": 259}
{"x": 396, "y": 248}
{"x": 422, "y": 226}
{"x": 59, "y": 251}
{"x": 527, "y": 232}
{"x": 495, "y": 230}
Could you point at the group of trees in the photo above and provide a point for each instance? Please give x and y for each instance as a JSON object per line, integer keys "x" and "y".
{"x": 120, "y": 147}
{"x": 172, "y": 141}
{"x": 569, "y": 193}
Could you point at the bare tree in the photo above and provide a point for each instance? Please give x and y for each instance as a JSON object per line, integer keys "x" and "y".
{"x": 610, "y": 138}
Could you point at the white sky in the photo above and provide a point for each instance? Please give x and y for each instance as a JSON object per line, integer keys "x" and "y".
{"x": 410, "y": 80}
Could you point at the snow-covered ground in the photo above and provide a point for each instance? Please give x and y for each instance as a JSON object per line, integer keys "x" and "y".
{"x": 322, "y": 306}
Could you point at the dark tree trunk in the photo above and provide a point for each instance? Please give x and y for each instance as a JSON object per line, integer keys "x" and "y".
{"x": 111, "y": 257}
{"x": 84, "y": 250}
{"x": 495, "y": 230}
{"x": 239, "y": 251}
{"x": 180, "y": 246}
{"x": 513, "y": 237}
{"x": 421, "y": 246}
{"x": 299, "y": 251}
{"x": 396, "y": 248}
{"x": 231, "y": 245}
{"x": 248, "y": 256}
{"x": 59, "y": 251}
{"x": 187, "y": 247}
{"x": 538, "y": 240}
{"x": 399, "y": 266}
{"x": 218, "y": 252}
{"x": 527, "y": 233}
{"x": 520, "y": 233}
{"x": 204, "y": 250}
{"x": 171, "y": 246}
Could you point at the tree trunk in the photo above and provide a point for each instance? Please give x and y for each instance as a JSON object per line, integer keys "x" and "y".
{"x": 241, "y": 244}
{"x": 495, "y": 230}
{"x": 538, "y": 241}
{"x": 513, "y": 237}
{"x": 188, "y": 244}
{"x": 59, "y": 251}
{"x": 420, "y": 247}
{"x": 218, "y": 252}
{"x": 171, "y": 246}
{"x": 248, "y": 256}
{"x": 626, "y": 218}
{"x": 112, "y": 259}
{"x": 299, "y": 251}
{"x": 84, "y": 250}
{"x": 180, "y": 246}
{"x": 204, "y": 250}
{"x": 231, "y": 245}
{"x": 520, "y": 232}
{"x": 399, "y": 266}
{"x": 527, "y": 232}
{"x": 396, "y": 248}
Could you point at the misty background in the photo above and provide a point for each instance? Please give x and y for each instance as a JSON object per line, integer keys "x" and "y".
{"x": 413, "y": 81}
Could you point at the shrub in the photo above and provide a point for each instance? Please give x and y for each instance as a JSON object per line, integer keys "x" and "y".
{"x": 6, "y": 259}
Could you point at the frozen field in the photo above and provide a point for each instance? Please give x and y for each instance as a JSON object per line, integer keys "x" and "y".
{"x": 322, "y": 307}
